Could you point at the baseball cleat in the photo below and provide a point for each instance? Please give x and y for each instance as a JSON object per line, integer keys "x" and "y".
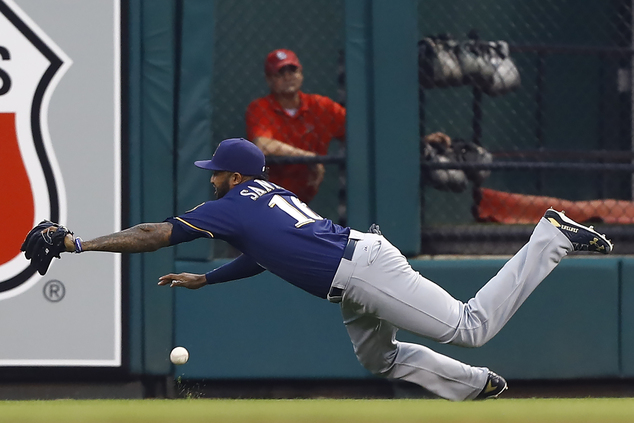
{"x": 494, "y": 387}
{"x": 583, "y": 238}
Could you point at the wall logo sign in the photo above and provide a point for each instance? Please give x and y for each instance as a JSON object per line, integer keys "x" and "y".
{"x": 54, "y": 291}
{"x": 31, "y": 185}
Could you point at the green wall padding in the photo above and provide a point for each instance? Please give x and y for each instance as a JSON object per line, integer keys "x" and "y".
{"x": 195, "y": 105}
{"x": 627, "y": 321}
{"x": 152, "y": 180}
{"x": 262, "y": 327}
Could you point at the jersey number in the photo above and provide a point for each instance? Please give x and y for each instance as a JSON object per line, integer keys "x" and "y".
{"x": 298, "y": 210}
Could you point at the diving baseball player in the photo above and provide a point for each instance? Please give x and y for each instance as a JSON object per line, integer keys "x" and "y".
{"x": 377, "y": 290}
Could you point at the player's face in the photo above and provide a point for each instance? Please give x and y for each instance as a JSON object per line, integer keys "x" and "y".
{"x": 287, "y": 81}
{"x": 220, "y": 181}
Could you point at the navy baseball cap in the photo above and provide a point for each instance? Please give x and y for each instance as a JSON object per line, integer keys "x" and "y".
{"x": 236, "y": 155}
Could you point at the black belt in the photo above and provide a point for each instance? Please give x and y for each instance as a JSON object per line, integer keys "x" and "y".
{"x": 335, "y": 293}
{"x": 348, "y": 252}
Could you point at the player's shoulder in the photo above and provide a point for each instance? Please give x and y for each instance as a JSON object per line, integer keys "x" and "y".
{"x": 194, "y": 208}
{"x": 205, "y": 208}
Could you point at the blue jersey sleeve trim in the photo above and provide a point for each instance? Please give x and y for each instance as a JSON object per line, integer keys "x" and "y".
{"x": 181, "y": 231}
{"x": 194, "y": 227}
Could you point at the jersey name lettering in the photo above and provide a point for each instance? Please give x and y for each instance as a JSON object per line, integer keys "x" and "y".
{"x": 255, "y": 192}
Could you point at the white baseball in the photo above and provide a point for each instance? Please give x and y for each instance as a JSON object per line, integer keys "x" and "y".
{"x": 179, "y": 355}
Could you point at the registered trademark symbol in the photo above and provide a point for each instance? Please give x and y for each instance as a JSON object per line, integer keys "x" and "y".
{"x": 54, "y": 291}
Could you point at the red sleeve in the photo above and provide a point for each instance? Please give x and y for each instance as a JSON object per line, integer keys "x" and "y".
{"x": 337, "y": 126}
{"x": 258, "y": 120}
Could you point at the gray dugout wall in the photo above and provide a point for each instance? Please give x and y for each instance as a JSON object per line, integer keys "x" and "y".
{"x": 576, "y": 325}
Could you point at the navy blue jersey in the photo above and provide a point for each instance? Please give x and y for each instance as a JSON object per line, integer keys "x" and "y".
{"x": 271, "y": 226}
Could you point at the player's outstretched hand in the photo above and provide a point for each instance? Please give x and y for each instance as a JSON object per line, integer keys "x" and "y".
{"x": 186, "y": 280}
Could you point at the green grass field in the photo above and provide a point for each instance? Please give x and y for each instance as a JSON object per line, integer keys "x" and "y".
{"x": 327, "y": 410}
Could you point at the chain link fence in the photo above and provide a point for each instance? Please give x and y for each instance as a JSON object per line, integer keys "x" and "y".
{"x": 523, "y": 106}
{"x": 245, "y": 32}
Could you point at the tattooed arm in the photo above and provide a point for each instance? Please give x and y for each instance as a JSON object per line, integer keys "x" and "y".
{"x": 142, "y": 238}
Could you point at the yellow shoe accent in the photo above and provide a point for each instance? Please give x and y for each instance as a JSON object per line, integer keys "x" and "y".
{"x": 489, "y": 388}
{"x": 595, "y": 242}
{"x": 554, "y": 222}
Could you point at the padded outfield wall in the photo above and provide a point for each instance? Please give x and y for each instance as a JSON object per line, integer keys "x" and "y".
{"x": 576, "y": 325}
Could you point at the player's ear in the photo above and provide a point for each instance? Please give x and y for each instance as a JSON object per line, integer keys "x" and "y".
{"x": 236, "y": 178}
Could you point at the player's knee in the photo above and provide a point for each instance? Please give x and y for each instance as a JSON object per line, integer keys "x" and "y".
{"x": 477, "y": 342}
{"x": 471, "y": 333}
{"x": 378, "y": 368}
{"x": 470, "y": 338}
{"x": 473, "y": 330}
{"x": 379, "y": 363}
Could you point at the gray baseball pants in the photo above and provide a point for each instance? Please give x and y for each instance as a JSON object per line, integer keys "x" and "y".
{"x": 382, "y": 293}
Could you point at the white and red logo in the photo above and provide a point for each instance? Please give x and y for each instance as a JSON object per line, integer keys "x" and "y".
{"x": 31, "y": 186}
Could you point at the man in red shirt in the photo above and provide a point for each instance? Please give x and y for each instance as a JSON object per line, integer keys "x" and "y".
{"x": 288, "y": 122}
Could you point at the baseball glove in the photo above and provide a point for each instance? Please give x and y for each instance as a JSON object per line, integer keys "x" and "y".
{"x": 44, "y": 242}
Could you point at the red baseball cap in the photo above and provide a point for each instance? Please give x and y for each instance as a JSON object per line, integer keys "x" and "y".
{"x": 279, "y": 58}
